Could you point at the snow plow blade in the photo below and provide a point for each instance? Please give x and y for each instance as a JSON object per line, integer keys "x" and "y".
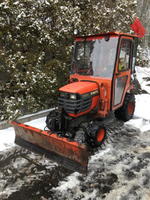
{"x": 69, "y": 154}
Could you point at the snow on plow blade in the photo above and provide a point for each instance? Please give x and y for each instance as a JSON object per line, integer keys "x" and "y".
{"x": 71, "y": 155}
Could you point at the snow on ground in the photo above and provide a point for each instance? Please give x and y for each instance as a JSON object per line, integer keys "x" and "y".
{"x": 72, "y": 181}
{"x": 7, "y": 137}
{"x": 141, "y": 119}
{"x": 143, "y": 76}
{"x": 119, "y": 172}
{"x": 38, "y": 123}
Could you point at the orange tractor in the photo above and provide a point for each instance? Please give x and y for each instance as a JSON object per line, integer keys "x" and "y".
{"x": 101, "y": 82}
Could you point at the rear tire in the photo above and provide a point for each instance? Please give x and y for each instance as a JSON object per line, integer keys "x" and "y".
{"x": 126, "y": 112}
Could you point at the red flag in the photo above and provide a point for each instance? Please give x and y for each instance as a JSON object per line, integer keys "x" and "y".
{"x": 138, "y": 28}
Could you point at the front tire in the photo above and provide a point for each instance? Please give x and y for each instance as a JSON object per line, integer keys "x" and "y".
{"x": 126, "y": 112}
{"x": 100, "y": 136}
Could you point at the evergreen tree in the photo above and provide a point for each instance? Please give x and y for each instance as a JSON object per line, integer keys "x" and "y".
{"x": 36, "y": 38}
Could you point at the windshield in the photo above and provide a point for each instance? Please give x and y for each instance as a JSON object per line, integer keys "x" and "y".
{"x": 95, "y": 57}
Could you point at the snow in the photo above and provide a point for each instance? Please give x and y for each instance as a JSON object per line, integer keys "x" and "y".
{"x": 141, "y": 119}
{"x": 38, "y": 123}
{"x": 7, "y": 137}
{"x": 142, "y": 108}
{"x": 143, "y": 73}
{"x": 70, "y": 182}
{"x": 98, "y": 155}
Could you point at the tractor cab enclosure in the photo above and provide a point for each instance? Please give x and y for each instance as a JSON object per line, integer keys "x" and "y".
{"x": 101, "y": 74}
{"x": 95, "y": 56}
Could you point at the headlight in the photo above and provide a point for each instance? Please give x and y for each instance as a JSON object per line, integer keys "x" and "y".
{"x": 90, "y": 94}
{"x": 94, "y": 93}
{"x": 73, "y": 96}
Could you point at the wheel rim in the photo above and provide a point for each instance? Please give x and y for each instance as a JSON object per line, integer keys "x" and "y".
{"x": 100, "y": 135}
{"x": 131, "y": 107}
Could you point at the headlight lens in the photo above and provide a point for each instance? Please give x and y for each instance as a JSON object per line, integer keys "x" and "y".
{"x": 95, "y": 92}
{"x": 90, "y": 94}
{"x": 73, "y": 96}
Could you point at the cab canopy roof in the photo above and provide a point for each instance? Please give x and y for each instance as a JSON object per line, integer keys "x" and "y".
{"x": 108, "y": 34}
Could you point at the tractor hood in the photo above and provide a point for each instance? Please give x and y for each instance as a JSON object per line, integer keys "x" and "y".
{"x": 80, "y": 87}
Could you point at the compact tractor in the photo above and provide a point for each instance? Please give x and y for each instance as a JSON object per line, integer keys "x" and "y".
{"x": 101, "y": 82}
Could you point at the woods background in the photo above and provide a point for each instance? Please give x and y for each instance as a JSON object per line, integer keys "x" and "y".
{"x": 36, "y": 39}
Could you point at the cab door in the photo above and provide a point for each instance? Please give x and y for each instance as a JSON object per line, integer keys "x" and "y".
{"x": 122, "y": 73}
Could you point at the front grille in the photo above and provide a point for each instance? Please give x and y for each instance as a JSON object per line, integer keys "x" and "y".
{"x": 74, "y": 106}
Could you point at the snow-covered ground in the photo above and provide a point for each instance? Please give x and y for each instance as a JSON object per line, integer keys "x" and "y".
{"x": 143, "y": 76}
{"x": 7, "y": 136}
{"x": 119, "y": 172}
{"x": 141, "y": 119}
